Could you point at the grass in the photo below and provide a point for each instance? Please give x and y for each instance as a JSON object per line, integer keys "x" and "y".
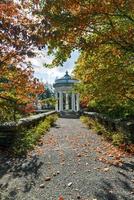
{"x": 27, "y": 139}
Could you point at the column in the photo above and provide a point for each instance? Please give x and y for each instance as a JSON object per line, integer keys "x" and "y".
{"x": 67, "y": 103}
{"x": 61, "y": 101}
{"x": 56, "y": 104}
{"x": 73, "y": 102}
{"x": 77, "y": 102}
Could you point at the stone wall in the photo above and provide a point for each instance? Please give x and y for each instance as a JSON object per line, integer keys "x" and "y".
{"x": 8, "y": 131}
{"x": 124, "y": 126}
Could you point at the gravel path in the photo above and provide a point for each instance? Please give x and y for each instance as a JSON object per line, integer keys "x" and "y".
{"x": 67, "y": 164}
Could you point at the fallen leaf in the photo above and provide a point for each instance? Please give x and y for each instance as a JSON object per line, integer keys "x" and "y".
{"x": 78, "y": 155}
{"x": 106, "y": 169}
{"x": 61, "y": 198}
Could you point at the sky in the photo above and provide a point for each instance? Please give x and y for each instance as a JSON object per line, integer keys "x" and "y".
{"x": 49, "y": 75}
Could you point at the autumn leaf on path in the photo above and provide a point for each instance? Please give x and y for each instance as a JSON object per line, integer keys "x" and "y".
{"x": 106, "y": 169}
{"x": 61, "y": 198}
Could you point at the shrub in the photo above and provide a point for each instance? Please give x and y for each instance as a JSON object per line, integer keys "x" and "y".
{"x": 88, "y": 121}
{"x": 52, "y": 119}
{"x": 98, "y": 128}
{"x": 94, "y": 124}
{"x": 124, "y": 141}
{"x": 27, "y": 139}
{"x": 118, "y": 138}
{"x": 101, "y": 130}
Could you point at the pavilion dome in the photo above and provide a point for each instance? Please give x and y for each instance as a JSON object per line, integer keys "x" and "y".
{"x": 66, "y": 80}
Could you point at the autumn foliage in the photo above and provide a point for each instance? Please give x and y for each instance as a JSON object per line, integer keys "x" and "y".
{"x": 103, "y": 32}
{"x": 18, "y": 87}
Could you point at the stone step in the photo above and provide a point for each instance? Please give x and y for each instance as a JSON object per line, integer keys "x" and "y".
{"x": 69, "y": 114}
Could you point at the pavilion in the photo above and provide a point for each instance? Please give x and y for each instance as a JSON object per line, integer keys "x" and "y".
{"x": 67, "y": 99}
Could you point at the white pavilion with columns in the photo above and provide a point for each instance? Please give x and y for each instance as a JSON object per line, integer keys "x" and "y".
{"x": 67, "y": 100}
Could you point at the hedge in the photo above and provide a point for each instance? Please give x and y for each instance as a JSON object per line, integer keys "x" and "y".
{"x": 124, "y": 126}
{"x": 9, "y": 130}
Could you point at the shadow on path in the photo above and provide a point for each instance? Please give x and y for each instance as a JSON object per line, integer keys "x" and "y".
{"x": 14, "y": 168}
{"x": 69, "y": 148}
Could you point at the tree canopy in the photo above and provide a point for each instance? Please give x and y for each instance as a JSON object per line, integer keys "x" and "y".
{"x": 102, "y": 31}
{"x": 18, "y": 87}
{"x": 87, "y": 24}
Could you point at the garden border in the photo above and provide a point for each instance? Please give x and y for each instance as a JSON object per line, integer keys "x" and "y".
{"x": 9, "y": 130}
{"x": 121, "y": 125}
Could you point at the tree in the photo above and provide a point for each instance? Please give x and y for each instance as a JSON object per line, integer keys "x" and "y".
{"x": 19, "y": 90}
{"x": 18, "y": 87}
{"x": 106, "y": 84}
{"x": 103, "y": 32}
{"x": 47, "y": 97}
{"x": 14, "y": 37}
{"x": 85, "y": 25}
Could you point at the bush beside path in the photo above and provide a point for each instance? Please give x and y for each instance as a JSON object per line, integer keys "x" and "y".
{"x": 69, "y": 163}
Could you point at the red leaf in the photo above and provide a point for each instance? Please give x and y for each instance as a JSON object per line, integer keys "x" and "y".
{"x": 61, "y": 198}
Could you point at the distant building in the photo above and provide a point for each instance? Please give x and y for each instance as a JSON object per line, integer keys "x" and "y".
{"x": 67, "y": 100}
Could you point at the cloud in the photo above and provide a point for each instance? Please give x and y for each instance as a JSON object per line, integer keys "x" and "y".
{"x": 49, "y": 75}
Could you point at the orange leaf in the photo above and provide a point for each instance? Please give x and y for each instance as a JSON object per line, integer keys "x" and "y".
{"x": 61, "y": 198}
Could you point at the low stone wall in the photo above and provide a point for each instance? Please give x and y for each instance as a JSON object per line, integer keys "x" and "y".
{"x": 9, "y": 130}
{"x": 125, "y": 126}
